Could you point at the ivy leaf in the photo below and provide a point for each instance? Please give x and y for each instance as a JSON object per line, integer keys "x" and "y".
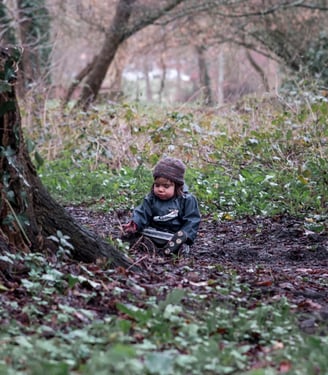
{"x": 160, "y": 363}
{"x": 39, "y": 159}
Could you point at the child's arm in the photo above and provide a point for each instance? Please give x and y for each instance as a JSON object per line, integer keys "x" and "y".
{"x": 140, "y": 217}
{"x": 191, "y": 218}
{"x": 189, "y": 229}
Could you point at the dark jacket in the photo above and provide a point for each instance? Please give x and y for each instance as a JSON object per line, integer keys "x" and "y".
{"x": 177, "y": 213}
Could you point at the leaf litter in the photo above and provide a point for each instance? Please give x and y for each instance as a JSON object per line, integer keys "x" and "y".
{"x": 276, "y": 256}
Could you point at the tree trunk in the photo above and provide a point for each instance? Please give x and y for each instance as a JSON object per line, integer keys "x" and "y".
{"x": 28, "y": 214}
{"x": 149, "y": 93}
{"x": 77, "y": 80}
{"x": 34, "y": 36}
{"x": 204, "y": 77}
{"x": 117, "y": 33}
{"x": 114, "y": 37}
{"x": 163, "y": 78}
{"x": 259, "y": 70}
{"x": 115, "y": 76}
{"x": 220, "y": 78}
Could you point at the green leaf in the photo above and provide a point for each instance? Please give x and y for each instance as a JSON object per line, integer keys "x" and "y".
{"x": 39, "y": 159}
{"x": 11, "y": 196}
{"x": 171, "y": 311}
{"x": 72, "y": 280}
{"x": 53, "y": 238}
{"x": 173, "y": 298}
{"x": 3, "y": 288}
{"x": 65, "y": 243}
{"x": 121, "y": 352}
{"x": 30, "y": 145}
{"x": 5, "y": 258}
{"x": 134, "y": 312}
{"x": 160, "y": 363}
{"x": 8, "y": 151}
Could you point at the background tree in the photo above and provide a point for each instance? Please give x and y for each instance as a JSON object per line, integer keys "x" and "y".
{"x": 116, "y": 34}
{"x": 7, "y": 31}
{"x": 26, "y": 23}
{"x": 28, "y": 214}
{"x": 34, "y": 37}
{"x": 210, "y": 23}
{"x": 284, "y": 30}
{"x": 87, "y": 35}
{"x": 250, "y": 24}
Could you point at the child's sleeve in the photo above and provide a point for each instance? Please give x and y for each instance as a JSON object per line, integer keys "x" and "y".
{"x": 142, "y": 214}
{"x": 190, "y": 218}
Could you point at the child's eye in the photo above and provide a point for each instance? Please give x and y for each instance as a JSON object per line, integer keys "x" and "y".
{"x": 165, "y": 186}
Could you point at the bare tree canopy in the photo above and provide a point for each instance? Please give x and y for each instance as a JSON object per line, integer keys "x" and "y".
{"x": 291, "y": 32}
{"x": 273, "y": 28}
{"x": 118, "y": 31}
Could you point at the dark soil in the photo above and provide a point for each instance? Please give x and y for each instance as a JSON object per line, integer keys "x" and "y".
{"x": 271, "y": 258}
{"x": 277, "y": 257}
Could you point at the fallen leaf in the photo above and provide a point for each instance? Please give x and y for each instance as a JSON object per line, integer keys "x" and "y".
{"x": 264, "y": 283}
{"x": 285, "y": 366}
{"x": 310, "y": 304}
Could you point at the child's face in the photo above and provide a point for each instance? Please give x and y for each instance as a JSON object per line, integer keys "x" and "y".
{"x": 164, "y": 189}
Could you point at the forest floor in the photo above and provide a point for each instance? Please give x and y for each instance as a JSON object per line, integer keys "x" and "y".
{"x": 247, "y": 262}
{"x": 235, "y": 267}
{"x": 276, "y": 257}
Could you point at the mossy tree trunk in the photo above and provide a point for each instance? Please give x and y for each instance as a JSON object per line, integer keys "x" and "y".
{"x": 28, "y": 214}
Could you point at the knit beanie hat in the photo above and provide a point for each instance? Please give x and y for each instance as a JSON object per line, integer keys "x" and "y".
{"x": 170, "y": 168}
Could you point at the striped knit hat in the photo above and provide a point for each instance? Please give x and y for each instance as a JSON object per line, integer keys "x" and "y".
{"x": 170, "y": 168}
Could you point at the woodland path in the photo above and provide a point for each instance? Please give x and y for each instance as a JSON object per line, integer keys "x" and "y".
{"x": 277, "y": 257}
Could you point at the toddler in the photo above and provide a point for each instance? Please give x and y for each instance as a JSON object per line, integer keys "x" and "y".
{"x": 169, "y": 214}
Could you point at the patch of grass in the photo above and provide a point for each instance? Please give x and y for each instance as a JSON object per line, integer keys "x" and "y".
{"x": 254, "y": 163}
{"x": 106, "y": 189}
{"x": 253, "y": 189}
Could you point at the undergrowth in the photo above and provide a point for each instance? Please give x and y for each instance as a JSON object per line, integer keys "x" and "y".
{"x": 218, "y": 329}
{"x": 260, "y": 159}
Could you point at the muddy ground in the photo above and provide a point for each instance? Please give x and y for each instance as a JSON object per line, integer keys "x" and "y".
{"x": 258, "y": 260}
{"x": 277, "y": 257}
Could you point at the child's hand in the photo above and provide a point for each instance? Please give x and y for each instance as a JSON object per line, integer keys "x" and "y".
{"x": 130, "y": 227}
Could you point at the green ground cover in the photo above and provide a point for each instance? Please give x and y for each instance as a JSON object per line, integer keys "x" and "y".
{"x": 260, "y": 159}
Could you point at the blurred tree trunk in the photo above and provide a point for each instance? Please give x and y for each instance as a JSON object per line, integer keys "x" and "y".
{"x": 34, "y": 36}
{"x": 28, "y": 214}
{"x": 163, "y": 67}
{"x": 204, "y": 77}
{"x": 117, "y": 33}
{"x": 259, "y": 70}
{"x": 149, "y": 94}
{"x": 220, "y": 78}
{"x": 179, "y": 93}
{"x": 6, "y": 31}
{"x": 116, "y": 92}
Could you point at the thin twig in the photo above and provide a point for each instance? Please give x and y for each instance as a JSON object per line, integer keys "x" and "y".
{"x": 136, "y": 262}
{"x": 19, "y": 223}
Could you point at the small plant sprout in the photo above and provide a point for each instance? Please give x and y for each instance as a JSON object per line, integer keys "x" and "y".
{"x": 64, "y": 246}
